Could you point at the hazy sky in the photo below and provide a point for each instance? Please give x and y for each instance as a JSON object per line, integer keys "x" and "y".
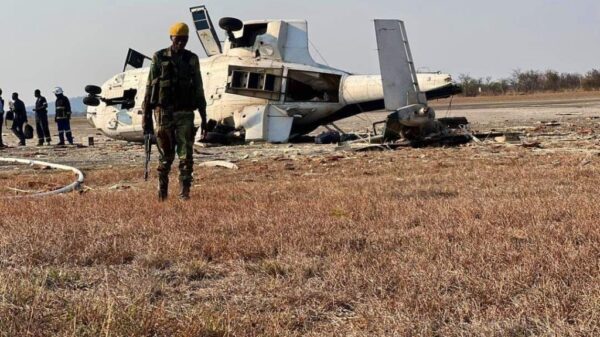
{"x": 72, "y": 43}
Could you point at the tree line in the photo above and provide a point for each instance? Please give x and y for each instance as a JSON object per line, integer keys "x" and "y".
{"x": 529, "y": 82}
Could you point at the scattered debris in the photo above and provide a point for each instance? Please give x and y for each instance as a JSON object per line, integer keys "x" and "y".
{"x": 334, "y": 137}
{"x": 219, "y": 163}
{"x": 454, "y": 122}
{"x": 442, "y": 140}
{"x": 120, "y": 187}
{"x": 586, "y": 161}
{"x": 487, "y": 135}
{"x": 551, "y": 123}
{"x": 85, "y": 189}
{"x": 532, "y": 144}
{"x": 509, "y": 137}
{"x": 328, "y": 137}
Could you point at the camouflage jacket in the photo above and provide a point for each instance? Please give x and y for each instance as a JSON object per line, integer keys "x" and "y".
{"x": 175, "y": 82}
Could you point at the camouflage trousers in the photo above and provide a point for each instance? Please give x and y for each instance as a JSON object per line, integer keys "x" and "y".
{"x": 175, "y": 135}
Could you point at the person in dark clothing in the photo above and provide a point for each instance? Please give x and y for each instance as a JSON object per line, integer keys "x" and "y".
{"x": 41, "y": 119}
{"x": 20, "y": 118}
{"x": 63, "y": 117}
{"x": 1, "y": 117}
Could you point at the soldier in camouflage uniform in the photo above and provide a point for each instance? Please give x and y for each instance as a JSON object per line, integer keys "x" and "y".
{"x": 173, "y": 92}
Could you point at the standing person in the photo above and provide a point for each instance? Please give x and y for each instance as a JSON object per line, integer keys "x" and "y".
{"x": 1, "y": 117}
{"x": 41, "y": 118}
{"x": 63, "y": 116}
{"x": 173, "y": 92}
{"x": 20, "y": 118}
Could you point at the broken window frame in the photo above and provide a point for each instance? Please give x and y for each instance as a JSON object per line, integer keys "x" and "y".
{"x": 334, "y": 96}
{"x": 258, "y": 89}
{"x": 250, "y": 34}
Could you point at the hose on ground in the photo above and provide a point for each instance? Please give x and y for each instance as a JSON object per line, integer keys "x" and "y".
{"x": 71, "y": 187}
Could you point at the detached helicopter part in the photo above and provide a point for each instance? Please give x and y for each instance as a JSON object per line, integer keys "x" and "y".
{"x": 206, "y": 31}
{"x": 411, "y": 119}
{"x": 400, "y": 84}
{"x": 71, "y": 187}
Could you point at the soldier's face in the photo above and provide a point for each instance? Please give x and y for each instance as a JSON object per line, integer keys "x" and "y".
{"x": 179, "y": 42}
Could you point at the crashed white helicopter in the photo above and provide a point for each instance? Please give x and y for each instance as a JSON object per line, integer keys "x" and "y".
{"x": 263, "y": 83}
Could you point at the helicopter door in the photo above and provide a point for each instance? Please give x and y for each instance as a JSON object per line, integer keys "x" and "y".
{"x": 206, "y": 31}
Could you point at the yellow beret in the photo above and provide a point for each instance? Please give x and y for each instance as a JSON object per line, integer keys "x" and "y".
{"x": 179, "y": 29}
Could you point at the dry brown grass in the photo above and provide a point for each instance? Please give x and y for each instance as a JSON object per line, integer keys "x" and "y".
{"x": 31, "y": 181}
{"x": 455, "y": 242}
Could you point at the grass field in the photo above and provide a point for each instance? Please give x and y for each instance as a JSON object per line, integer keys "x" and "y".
{"x": 492, "y": 241}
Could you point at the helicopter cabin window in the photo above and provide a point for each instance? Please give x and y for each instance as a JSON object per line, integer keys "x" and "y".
{"x": 305, "y": 86}
{"x": 251, "y": 32}
{"x": 255, "y": 82}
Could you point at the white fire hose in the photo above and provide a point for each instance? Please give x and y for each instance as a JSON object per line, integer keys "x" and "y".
{"x": 71, "y": 187}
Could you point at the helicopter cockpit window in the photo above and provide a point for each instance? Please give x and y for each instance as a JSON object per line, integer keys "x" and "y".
{"x": 251, "y": 32}
{"x": 305, "y": 86}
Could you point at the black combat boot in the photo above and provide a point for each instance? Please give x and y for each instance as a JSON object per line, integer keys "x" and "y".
{"x": 185, "y": 191}
{"x": 163, "y": 187}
